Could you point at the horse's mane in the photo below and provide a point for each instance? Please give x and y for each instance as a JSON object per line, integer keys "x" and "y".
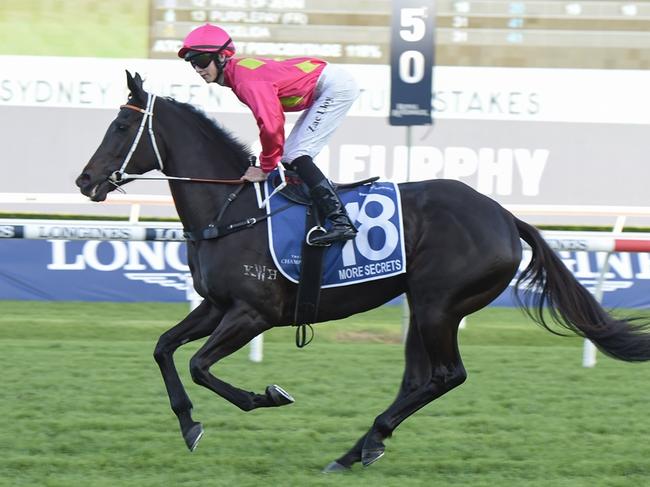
{"x": 214, "y": 131}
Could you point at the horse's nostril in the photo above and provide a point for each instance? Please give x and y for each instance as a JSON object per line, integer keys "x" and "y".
{"x": 83, "y": 180}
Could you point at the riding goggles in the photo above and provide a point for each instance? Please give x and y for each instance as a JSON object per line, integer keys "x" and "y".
{"x": 201, "y": 60}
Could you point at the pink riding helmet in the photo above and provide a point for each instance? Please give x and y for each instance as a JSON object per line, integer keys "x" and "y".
{"x": 208, "y": 38}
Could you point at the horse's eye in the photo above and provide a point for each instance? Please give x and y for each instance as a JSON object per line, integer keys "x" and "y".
{"x": 122, "y": 126}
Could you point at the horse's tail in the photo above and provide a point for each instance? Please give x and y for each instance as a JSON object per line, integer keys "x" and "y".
{"x": 551, "y": 288}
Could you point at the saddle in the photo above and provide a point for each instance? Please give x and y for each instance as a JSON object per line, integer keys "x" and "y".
{"x": 298, "y": 192}
{"x": 311, "y": 262}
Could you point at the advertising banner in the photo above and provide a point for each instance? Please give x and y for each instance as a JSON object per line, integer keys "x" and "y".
{"x": 61, "y": 270}
{"x": 518, "y": 135}
{"x": 157, "y": 271}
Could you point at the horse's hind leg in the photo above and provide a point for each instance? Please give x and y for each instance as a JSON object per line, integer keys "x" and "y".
{"x": 438, "y": 332}
{"x": 417, "y": 373}
{"x": 433, "y": 367}
{"x": 200, "y": 323}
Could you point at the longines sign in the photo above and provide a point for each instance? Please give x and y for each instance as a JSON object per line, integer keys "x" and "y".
{"x": 90, "y": 232}
{"x": 158, "y": 271}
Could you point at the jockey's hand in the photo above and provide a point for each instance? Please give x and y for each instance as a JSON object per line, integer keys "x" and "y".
{"x": 254, "y": 174}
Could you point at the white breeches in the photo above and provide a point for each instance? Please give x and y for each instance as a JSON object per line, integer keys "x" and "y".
{"x": 335, "y": 93}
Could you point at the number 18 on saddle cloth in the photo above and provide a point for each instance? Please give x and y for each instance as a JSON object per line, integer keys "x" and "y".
{"x": 376, "y": 252}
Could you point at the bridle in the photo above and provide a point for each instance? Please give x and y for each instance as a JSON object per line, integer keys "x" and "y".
{"x": 147, "y": 115}
{"x": 147, "y": 119}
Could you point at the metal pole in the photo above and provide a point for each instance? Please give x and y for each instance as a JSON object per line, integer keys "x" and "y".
{"x": 406, "y": 311}
{"x": 257, "y": 347}
{"x": 589, "y": 349}
{"x": 409, "y": 144}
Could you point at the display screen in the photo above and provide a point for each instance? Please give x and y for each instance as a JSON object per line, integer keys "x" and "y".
{"x": 539, "y": 33}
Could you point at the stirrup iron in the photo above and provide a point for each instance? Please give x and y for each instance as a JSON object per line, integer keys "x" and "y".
{"x": 313, "y": 230}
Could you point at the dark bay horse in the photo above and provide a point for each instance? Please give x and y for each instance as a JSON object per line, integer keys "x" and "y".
{"x": 462, "y": 251}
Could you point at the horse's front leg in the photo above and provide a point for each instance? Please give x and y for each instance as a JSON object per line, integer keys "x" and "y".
{"x": 200, "y": 323}
{"x": 240, "y": 324}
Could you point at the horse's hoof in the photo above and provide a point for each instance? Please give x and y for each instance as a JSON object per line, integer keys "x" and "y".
{"x": 278, "y": 396}
{"x": 335, "y": 467}
{"x": 193, "y": 436}
{"x": 368, "y": 457}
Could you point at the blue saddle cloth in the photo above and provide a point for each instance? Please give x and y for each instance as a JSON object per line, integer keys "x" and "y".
{"x": 376, "y": 252}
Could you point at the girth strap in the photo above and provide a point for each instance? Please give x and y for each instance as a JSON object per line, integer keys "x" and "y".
{"x": 214, "y": 230}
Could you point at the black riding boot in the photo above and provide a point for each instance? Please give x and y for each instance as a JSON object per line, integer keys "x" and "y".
{"x": 326, "y": 200}
{"x": 329, "y": 204}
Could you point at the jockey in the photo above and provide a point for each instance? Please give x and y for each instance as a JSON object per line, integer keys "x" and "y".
{"x": 323, "y": 93}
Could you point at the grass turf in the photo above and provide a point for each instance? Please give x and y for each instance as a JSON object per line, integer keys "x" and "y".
{"x": 83, "y": 404}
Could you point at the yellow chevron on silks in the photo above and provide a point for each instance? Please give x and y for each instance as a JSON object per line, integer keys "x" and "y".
{"x": 250, "y": 63}
{"x": 291, "y": 101}
{"x": 306, "y": 66}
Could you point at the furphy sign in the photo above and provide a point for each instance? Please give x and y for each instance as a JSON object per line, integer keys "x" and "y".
{"x": 502, "y": 171}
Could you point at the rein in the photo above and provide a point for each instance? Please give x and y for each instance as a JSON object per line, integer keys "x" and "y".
{"x": 213, "y": 230}
{"x": 147, "y": 115}
{"x": 122, "y": 176}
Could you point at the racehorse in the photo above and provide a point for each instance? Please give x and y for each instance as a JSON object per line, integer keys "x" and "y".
{"x": 462, "y": 251}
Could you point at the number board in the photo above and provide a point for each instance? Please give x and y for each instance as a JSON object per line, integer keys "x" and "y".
{"x": 411, "y": 62}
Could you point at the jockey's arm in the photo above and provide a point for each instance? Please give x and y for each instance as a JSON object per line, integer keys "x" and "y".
{"x": 262, "y": 99}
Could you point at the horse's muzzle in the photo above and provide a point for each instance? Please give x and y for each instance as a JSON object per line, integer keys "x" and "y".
{"x": 83, "y": 180}
{"x": 96, "y": 191}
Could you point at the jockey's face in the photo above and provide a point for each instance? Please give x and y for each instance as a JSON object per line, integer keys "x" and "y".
{"x": 209, "y": 73}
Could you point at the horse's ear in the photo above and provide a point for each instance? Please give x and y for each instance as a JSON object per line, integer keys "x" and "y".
{"x": 135, "y": 86}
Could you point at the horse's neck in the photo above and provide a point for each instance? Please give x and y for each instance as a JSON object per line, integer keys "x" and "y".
{"x": 197, "y": 203}
{"x": 193, "y": 205}
{"x": 193, "y": 153}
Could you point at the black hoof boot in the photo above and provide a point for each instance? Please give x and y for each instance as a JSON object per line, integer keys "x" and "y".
{"x": 278, "y": 396}
{"x": 335, "y": 467}
{"x": 193, "y": 435}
